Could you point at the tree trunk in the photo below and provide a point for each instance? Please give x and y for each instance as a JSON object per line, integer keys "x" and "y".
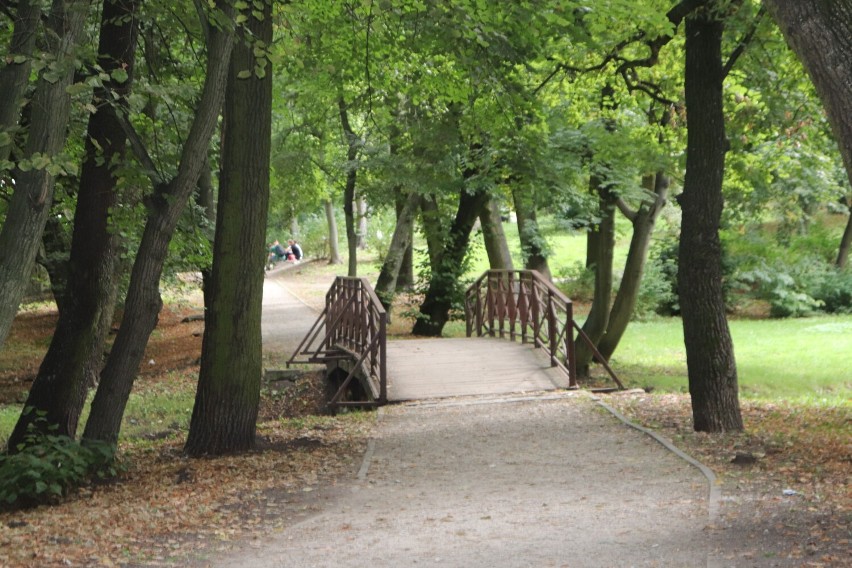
{"x": 400, "y": 244}
{"x": 528, "y": 231}
{"x": 333, "y": 245}
{"x": 443, "y": 290}
{"x": 143, "y": 303}
{"x": 405, "y": 275}
{"x": 604, "y": 246}
{"x": 709, "y": 349}
{"x": 30, "y": 204}
{"x": 431, "y": 219}
{"x": 352, "y": 144}
{"x": 637, "y": 255}
{"x": 14, "y": 75}
{"x": 362, "y": 222}
{"x": 56, "y": 244}
{"x": 405, "y": 279}
{"x": 226, "y": 404}
{"x": 76, "y": 349}
{"x": 494, "y": 237}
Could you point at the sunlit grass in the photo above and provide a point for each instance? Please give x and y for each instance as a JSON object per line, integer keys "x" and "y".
{"x": 793, "y": 359}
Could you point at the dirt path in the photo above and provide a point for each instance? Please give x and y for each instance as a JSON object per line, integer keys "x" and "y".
{"x": 543, "y": 480}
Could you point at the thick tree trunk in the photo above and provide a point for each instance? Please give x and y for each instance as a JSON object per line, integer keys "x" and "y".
{"x": 494, "y": 237}
{"x": 76, "y": 349}
{"x": 604, "y": 246}
{"x": 14, "y": 74}
{"x": 528, "y": 231}
{"x": 333, "y": 241}
{"x": 709, "y": 349}
{"x": 444, "y": 290}
{"x": 399, "y": 245}
{"x": 226, "y": 404}
{"x": 637, "y": 255}
{"x": 352, "y": 144}
{"x": 30, "y": 204}
{"x": 143, "y": 303}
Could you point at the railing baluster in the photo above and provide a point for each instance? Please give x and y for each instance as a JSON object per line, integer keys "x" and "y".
{"x": 500, "y": 300}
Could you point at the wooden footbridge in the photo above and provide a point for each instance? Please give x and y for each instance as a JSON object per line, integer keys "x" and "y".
{"x": 520, "y": 338}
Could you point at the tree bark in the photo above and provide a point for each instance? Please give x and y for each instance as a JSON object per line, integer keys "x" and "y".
{"x": 30, "y": 204}
{"x": 443, "y": 290}
{"x": 405, "y": 275}
{"x": 14, "y": 74}
{"x": 76, "y": 349}
{"x": 226, "y": 404}
{"x": 399, "y": 245}
{"x": 625, "y": 299}
{"x": 528, "y": 231}
{"x": 143, "y": 303}
{"x": 352, "y": 145}
{"x": 709, "y": 349}
{"x": 362, "y": 222}
{"x": 494, "y": 237}
{"x": 603, "y": 239}
{"x": 56, "y": 244}
{"x": 430, "y": 217}
{"x": 333, "y": 243}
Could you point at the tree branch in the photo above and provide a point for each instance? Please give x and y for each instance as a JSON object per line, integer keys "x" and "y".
{"x": 625, "y": 209}
{"x": 139, "y": 150}
{"x": 741, "y": 46}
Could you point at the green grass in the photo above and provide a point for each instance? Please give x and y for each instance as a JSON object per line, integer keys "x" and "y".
{"x": 152, "y": 410}
{"x": 793, "y": 359}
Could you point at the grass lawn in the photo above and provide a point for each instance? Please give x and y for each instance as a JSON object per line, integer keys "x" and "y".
{"x": 805, "y": 359}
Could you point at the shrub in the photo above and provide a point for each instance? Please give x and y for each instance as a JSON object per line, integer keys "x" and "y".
{"x": 831, "y": 287}
{"x": 577, "y": 282}
{"x": 778, "y": 285}
{"x": 657, "y": 293}
{"x": 48, "y": 465}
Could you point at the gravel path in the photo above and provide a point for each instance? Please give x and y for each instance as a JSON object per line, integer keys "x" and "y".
{"x": 534, "y": 480}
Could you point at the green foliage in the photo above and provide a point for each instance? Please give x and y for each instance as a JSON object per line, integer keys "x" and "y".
{"x": 47, "y": 466}
{"x": 656, "y": 293}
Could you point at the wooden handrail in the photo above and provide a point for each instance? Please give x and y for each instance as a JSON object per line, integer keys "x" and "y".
{"x": 355, "y": 325}
{"x": 522, "y": 304}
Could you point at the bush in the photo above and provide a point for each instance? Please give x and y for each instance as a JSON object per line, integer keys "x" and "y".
{"x": 831, "y": 287}
{"x": 657, "y": 291}
{"x": 577, "y": 282}
{"x": 48, "y": 465}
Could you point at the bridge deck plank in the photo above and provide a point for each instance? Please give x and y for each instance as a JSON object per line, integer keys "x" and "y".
{"x": 438, "y": 368}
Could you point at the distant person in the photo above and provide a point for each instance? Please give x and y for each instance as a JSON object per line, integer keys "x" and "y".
{"x": 276, "y": 253}
{"x": 295, "y": 250}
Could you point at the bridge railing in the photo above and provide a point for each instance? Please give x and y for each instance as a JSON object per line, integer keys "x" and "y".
{"x": 352, "y": 326}
{"x": 523, "y": 305}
